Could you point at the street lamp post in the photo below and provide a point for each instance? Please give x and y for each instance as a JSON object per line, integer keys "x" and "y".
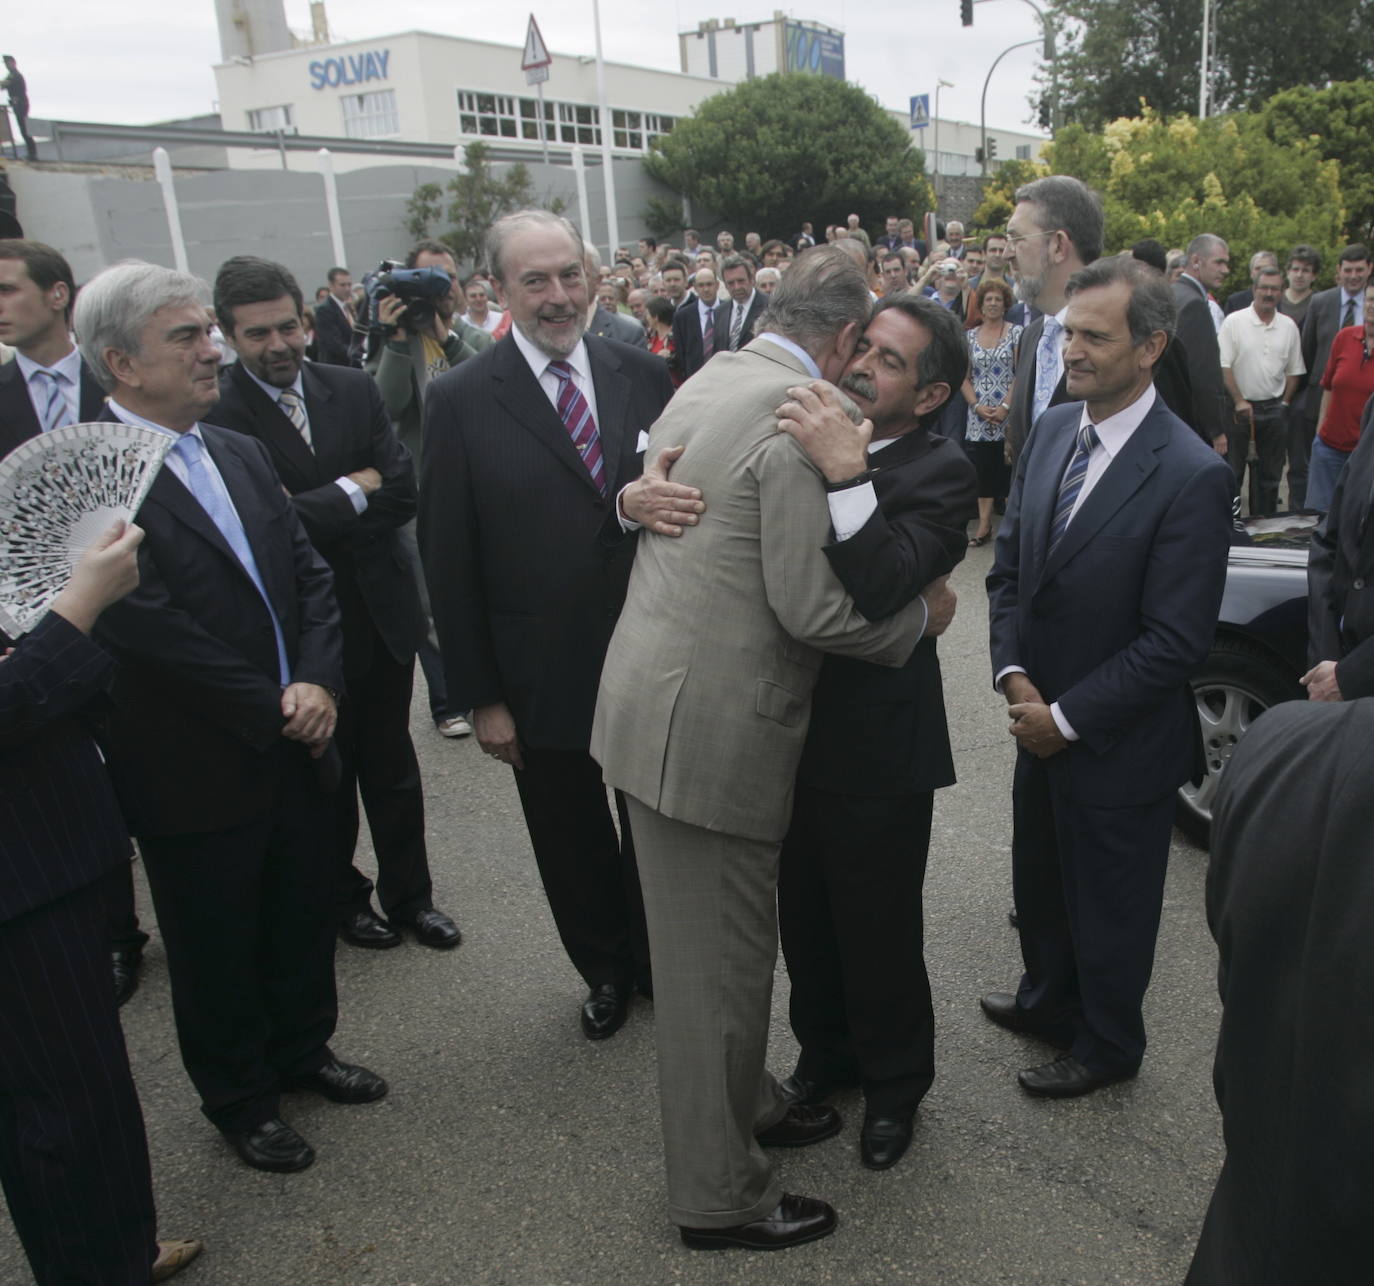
{"x": 939, "y": 84}
{"x": 983, "y": 105}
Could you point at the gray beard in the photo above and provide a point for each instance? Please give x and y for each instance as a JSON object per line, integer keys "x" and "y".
{"x": 859, "y": 384}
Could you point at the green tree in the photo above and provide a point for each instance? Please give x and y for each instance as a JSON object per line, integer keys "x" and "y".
{"x": 782, "y": 148}
{"x": 999, "y": 195}
{"x": 1113, "y": 54}
{"x": 1339, "y": 122}
{"x": 477, "y": 198}
{"x": 1173, "y": 178}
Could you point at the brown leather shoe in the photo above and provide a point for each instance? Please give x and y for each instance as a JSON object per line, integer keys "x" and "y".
{"x": 804, "y": 1124}
{"x": 173, "y": 1256}
{"x": 796, "y": 1220}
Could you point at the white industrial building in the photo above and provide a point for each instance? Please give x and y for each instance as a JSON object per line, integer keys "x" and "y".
{"x": 422, "y": 87}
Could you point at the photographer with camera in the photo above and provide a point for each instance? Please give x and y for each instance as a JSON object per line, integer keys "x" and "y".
{"x": 423, "y": 339}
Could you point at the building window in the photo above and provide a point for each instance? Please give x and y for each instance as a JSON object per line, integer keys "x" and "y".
{"x": 1023, "y": 151}
{"x": 370, "y": 115}
{"x": 502, "y": 116}
{"x": 267, "y": 120}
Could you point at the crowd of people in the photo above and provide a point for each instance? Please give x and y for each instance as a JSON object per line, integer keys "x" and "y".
{"x": 680, "y": 525}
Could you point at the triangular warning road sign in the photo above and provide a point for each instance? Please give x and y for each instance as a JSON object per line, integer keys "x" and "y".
{"x": 536, "y": 51}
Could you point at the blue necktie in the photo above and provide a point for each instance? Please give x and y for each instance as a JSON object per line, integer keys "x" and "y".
{"x": 57, "y": 411}
{"x": 1046, "y": 367}
{"x": 217, "y": 505}
{"x": 1072, "y": 483}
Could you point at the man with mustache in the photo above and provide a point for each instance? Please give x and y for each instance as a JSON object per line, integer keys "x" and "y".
{"x": 533, "y": 451}
{"x": 700, "y": 721}
{"x": 854, "y": 859}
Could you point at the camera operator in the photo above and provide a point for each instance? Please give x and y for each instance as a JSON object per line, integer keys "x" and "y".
{"x": 403, "y": 367}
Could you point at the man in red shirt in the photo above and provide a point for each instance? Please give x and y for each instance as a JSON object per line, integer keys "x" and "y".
{"x": 1347, "y": 384}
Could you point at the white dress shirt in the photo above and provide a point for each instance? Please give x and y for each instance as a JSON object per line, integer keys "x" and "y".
{"x": 539, "y": 363}
{"x": 70, "y": 366}
{"x": 356, "y": 495}
{"x": 1112, "y": 434}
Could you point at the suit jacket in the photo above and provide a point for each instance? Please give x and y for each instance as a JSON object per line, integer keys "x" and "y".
{"x": 1340, "y": 574}
{"x": 335, "y": 341}
{"x": 197, "y": 696}
{"x": 525, "y": 560}
{"x": 726, "y": 310}
{"x": 687, "y": 349}
{"x": 706, "y": 690}
{"x": 1289, "y": 903}
{"x": 609, "y": 325}
{"x": 1195, "y": 340}
{"x": 1020, "y": 421}
{"x": 349, "y": 431}
{"x": 876, "y": 730}
{"x": 1319, "y": 328}
{"x": 19, "y": 421}
{"x": 1114, "y": 622}
{"x": 63, "y": 829}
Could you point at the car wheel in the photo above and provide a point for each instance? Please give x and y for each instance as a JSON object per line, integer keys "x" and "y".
{"x": 1238, "y": 683}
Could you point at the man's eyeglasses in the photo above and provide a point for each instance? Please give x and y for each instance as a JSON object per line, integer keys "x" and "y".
{"x": 1014, "y": 239}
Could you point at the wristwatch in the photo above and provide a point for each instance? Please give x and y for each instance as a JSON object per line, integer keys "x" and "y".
{"x": 857, "y": 480}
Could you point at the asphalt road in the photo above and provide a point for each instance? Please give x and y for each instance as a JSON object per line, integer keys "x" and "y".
{"x": 513, "y": 1152}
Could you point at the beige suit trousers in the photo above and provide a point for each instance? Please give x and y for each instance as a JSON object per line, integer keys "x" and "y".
{"x": 711, "y": 904}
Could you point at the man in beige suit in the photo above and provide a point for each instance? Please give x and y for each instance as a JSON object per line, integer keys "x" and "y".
{"x": 703, "y": 709}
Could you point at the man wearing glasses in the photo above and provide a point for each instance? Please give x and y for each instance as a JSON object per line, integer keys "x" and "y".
{"x": 1055, "y": 230}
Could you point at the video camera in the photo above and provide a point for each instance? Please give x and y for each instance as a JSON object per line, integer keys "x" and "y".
{"x": 420, "y": 288}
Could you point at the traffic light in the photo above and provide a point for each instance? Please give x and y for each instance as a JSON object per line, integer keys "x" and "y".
{"x": 978, "y": 155}
{"x": 966, "y": 12}
{"x": 1044, "y": 115}
{"x": 992, "y": 149}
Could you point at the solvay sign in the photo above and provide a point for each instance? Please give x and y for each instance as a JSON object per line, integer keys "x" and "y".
{"x": 349, "y": 69}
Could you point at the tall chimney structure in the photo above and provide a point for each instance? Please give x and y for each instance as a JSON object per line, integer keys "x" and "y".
{"x": 248, "y": 28}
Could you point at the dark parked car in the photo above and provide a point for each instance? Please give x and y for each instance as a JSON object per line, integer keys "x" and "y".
{"x": 1257, "y": 657}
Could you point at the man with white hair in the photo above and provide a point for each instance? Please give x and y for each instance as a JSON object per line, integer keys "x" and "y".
{"x": 221, "y": 726}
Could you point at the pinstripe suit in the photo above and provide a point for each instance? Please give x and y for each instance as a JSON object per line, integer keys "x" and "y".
{"x": 73, "y": 1157}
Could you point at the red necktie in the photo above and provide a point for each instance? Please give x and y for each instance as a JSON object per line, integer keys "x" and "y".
{"x": 708, "y": 335}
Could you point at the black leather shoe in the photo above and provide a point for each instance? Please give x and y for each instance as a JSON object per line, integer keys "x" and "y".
{"x": 127, "y": 962}
{"x": 805, "y": 1089}
{"x": 804, "y": 1124}
{"x": 1066, "y": 1078}
{"x": 1002, "y": 1008}
{"x": 340, "y": 1083}
{"x": 604, "y": 1010}
{"x": 1013, "y": 918}
{"x": 367, "y": 929}
{"x": 796, "y": 1220}
{"x": 883, "y": 1140}
{"x": 432, "y": 929}
{"x": 273, "y": 1145}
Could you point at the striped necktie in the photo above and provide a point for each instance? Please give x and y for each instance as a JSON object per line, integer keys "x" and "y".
{"x": 1349, "y": 318}
{"x": 736, "y": 326}
{"x": 577, "y": 418}
{"x": 294, "y": 410}
{"x": 708, "y": 335}
{"x": 1072, "y": 483}
{"x": 57, "y": 410}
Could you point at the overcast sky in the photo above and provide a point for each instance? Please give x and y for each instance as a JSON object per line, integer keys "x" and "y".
{"x": 149, "y": 60}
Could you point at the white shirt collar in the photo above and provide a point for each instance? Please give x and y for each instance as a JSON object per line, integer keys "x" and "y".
{"x": 1256, "y": 320}
{"x": 704, "y": 309}
{"x": 795, "y": 349}
{"x": 272, "y": 390}
{"x": 1115, "y": 431}
{"x": 129, "y": 417}
{"x": 746, "y": 305}
{"x": 70, "y": 366}
{"x": 539, "y": 360}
